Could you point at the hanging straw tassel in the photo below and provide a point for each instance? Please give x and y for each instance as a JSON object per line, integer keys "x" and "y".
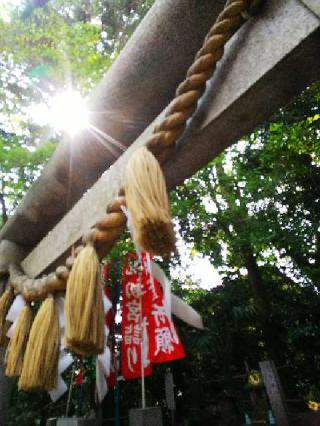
{"x": 84, "y": 313}
{"x": 147, "y": 201}
{"x": 5, "y": 303}
{"x": 18, "y": 342}
{"x": 40, "y": 364}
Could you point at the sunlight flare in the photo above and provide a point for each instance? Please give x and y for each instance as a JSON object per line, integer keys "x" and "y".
{"x": 69, "y": 112}
{"x": 66, "y": 111}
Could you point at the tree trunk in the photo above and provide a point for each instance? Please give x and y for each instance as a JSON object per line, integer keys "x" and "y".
{"x": 254, "y": 275}
{"x": 260, "y": 298}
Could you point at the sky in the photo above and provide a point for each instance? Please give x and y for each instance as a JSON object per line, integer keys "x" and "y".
{"x": 201, "y": 270}
{"x": 195, "y": 266}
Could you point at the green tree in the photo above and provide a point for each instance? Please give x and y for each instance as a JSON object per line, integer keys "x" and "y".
{"x": 255, "y": 213}
{"x": 19, "y": 166}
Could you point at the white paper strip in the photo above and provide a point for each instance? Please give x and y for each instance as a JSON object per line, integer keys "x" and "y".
{"x": 65, "y": 360}
{"x": 102, "y": 370}
{"x": 106, "y": 303}
{"x": 177, "y": 306}
{"x": 106, "y": 332}
{"x": 11, "y": 329}
{"x": 104, "y": 361}
{"x": 60, "y": 307}
{"x": 161, "y": 277}
{"x": 61, "y": 388}
{"x": 15, "y": 308}
{"x": 61, "y": 339}
{"x": 101, "y": 384}
{"x": 186, "y": 312}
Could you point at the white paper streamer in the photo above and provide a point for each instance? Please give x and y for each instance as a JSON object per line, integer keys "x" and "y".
{"x": 11, "y": 329}
{"x": 61, "y": 339}
{"x": 185, "y": 312}
{"x": 101, "y": 383}
{"x": 60, "y": 307}
{"x": 103, "y": 361}
{"x": 15, "y": 308}
{"x": 102, "y": 370}
{"x": 65, "y": 358}
{"x": 173, "y": 303}
{"x": 13, "y": 313}
{"x": 161, "y": 277}
{"x": 60, "y": 389}
{"x": 106, "y": 332}
{"x": 106, "y": 303}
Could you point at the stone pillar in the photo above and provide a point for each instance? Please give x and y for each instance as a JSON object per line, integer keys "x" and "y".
{"x": 6, "y": 385}
{"x": 9, "y": 252}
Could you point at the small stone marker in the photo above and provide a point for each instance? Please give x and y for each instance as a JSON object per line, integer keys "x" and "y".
{"x": 73, "y": 421}
{"x": 169, "y": 387}
{"x": 151, "y": 416}
{"x": 51, "y": 422}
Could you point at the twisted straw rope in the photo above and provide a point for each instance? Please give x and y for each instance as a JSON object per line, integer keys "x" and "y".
{"x": 188, "y": 93}
{"x": 161, "y": 143}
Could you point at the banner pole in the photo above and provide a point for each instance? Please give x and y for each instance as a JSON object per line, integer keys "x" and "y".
{"x": 143, "y": 389}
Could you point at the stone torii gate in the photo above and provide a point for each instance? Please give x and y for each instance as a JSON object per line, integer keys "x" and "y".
{"x": 270, "y": 60}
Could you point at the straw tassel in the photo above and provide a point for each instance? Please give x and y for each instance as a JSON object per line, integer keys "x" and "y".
{"x": 40, "y": 364}
{"x": 147, "y": 201}
{"x": 18, "y": 342}
{"x": 84, "y": 314}
{"x": 5, "y": 303}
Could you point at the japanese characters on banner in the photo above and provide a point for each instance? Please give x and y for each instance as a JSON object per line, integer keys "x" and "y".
{"x": 134, "y": 344}
{"x": 148, "y": 334}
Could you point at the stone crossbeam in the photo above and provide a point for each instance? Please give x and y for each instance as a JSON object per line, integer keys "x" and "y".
{"x": 270, "y": 60}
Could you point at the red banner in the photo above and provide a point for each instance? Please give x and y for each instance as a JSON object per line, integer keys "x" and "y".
{"x": 134, "y": 345}
{"x": 146, "y": 327}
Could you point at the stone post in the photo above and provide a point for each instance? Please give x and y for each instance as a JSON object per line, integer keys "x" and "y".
{"x": 9, "y": 253}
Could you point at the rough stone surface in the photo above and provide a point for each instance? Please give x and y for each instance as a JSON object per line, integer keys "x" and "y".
{"x": 270, "y": 60}
{"x": 145, "y": 417}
